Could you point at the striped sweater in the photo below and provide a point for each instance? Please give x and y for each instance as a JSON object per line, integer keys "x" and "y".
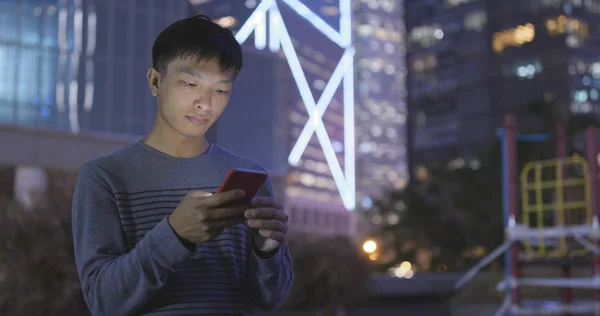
{"x": 130, "y": 261}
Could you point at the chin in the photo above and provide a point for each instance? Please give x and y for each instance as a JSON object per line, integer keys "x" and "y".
{"x": 193, "y": 135}
{"x": 193, "y": 132}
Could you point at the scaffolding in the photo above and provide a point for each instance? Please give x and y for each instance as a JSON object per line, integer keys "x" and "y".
{"x": 558, "y": 221}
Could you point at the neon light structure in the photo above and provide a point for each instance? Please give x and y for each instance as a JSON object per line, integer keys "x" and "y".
{"x": 279, "y": 38}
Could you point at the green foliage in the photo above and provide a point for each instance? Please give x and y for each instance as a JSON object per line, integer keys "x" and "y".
{"x": 455, "y": 210}
{"x": 37, "y": 265}
{"x": 451, "y": 212}
{"x": 330, "y": 272}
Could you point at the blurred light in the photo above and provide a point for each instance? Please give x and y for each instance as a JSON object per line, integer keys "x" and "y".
{"x": 475, "y": 21}
{"x": 593, "y": 94}
{"x": 338, "y": 147}
{"x": 513, "y": 37}
{"x": 404, "y": 270}
{"x": 250, "y": 4}
{"x": 226, "y": 21}
{"x": 369, "y": 246}
{"x": 595, "y": 70}
{"x": 442, "y": 268}
{"x": 438, "y": 34}
{"x": 393, "y": 219}
{"x": 376, "y": 219}
{"x": 37, "y": 11}
{"x": 372, "y": 4}
{"x": 454, "y": 3}
{"x": 330, "y": 10}
{"x": 400, "y": 206}
{"x": 367, "y": 202}
{"x": 405, "y": 266}
{"x": 527, "y": 71}
{"x": 373, "y": 256}
{"x": 197, "y": 2}
{"x": 586, "y": 80}
{"x": 319, "y": 84}
{"x": 581, "y": 96}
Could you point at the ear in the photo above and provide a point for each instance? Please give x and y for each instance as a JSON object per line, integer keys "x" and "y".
{"x": 154, "y": 78}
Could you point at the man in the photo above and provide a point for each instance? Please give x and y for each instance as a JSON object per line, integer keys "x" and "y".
{"x": 150, "y": 238}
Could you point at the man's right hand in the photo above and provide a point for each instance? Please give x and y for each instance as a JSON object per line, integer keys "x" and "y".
{"x": 202, "y": 216}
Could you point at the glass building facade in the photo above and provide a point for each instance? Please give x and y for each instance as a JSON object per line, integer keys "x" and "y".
{"x": 380, "y": 110}
{"x": 472, "y": 61}
{"x": 382, "y": 156}
{"x": 275, "y": 100}
{"x": 80, "y": 65}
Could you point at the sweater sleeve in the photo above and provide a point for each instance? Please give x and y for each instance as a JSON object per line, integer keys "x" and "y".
{"x": 116, "y": 281}
{"x": 270, "y": 279}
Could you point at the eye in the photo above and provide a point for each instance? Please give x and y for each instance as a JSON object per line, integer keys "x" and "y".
{"x": 221, "y": 91}
{"x": 188, "y": 84}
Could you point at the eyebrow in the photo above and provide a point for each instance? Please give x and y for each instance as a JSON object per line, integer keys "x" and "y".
{"x": 197, "y": 74}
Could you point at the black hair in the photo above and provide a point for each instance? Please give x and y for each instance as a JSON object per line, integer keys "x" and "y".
{"x": 200, "y": 38}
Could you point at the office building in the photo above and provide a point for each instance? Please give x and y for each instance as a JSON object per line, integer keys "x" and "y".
{"x": 74, "y": 85}
{"x": 381, "y": 115}
{"x": 313, "y": 190}
{"x": 294, "y": 68}
{"x": 472, "y": 61}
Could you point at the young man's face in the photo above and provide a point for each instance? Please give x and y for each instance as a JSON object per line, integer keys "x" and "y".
{"x": 191, "y": 95}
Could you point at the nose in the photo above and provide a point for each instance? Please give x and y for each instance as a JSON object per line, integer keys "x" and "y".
{"x": 203, "y": 101}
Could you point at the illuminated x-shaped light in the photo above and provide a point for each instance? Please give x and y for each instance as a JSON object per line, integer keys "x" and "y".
{"x": 280, "y": 38}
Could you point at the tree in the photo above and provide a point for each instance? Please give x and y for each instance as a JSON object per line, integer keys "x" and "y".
{"x": 455, "y": 210}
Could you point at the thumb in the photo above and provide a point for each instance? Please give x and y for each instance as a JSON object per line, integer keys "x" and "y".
{"x": 199, "y": 194}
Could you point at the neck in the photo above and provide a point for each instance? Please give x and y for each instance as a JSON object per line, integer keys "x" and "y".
{"x": 170, "y": 142}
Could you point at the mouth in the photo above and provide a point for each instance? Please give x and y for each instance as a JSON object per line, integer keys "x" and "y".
{"x": 197, "y": 120}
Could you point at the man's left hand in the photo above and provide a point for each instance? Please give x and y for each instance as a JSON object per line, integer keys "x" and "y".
{"x": 269, "y": 223}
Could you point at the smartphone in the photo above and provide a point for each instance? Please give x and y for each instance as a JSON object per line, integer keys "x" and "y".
{"x": 244, "y": 179}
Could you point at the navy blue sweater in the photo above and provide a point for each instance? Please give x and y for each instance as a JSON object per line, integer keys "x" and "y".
{"x": 132, "y": 263}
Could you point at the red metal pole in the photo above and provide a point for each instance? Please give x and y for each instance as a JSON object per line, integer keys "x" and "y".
{"x": 511, "y": 149}
{"x": 561, "y": 152}
{"x": 592, "y": 154}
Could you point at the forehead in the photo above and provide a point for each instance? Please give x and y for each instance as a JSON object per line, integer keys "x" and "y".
{"x": 206, "y": 67}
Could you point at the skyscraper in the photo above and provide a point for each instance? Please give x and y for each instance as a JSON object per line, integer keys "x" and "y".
{"x": 329, "y": 112}
{"x": 381, "y": 115}
{"x": 79, "y": 66}
{"x": 306, "y": 69}
{"x": 471, "y": 61}
{"x": 74, "y": 83}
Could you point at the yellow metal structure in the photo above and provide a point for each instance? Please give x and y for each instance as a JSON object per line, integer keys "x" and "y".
{"x": 555, "y": 193}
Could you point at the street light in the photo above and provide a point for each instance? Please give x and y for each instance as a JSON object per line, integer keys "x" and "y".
{"x": 369, "y": 246}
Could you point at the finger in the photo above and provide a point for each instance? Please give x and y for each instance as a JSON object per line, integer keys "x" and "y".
{"x": 199, "y": 194}
{"x": 265, "y": 201}
{"x": 267, "y": 224}
{"x": 272, "y": 234}
{"x": 227, "y": 212}
{"x": 266, "y": 213}
{"x": 225, "y": 223}
{"x": 219, "y": 199}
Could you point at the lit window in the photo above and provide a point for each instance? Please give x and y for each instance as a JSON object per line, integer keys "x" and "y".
{"x": 476, "y": 21}
{"x": 513, "y": 37}
{"x": 455, "y": 3}
{"x": 577, "y": 30}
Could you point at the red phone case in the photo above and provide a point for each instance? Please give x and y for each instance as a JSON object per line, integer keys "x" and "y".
{"x": 248, "y": 180}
